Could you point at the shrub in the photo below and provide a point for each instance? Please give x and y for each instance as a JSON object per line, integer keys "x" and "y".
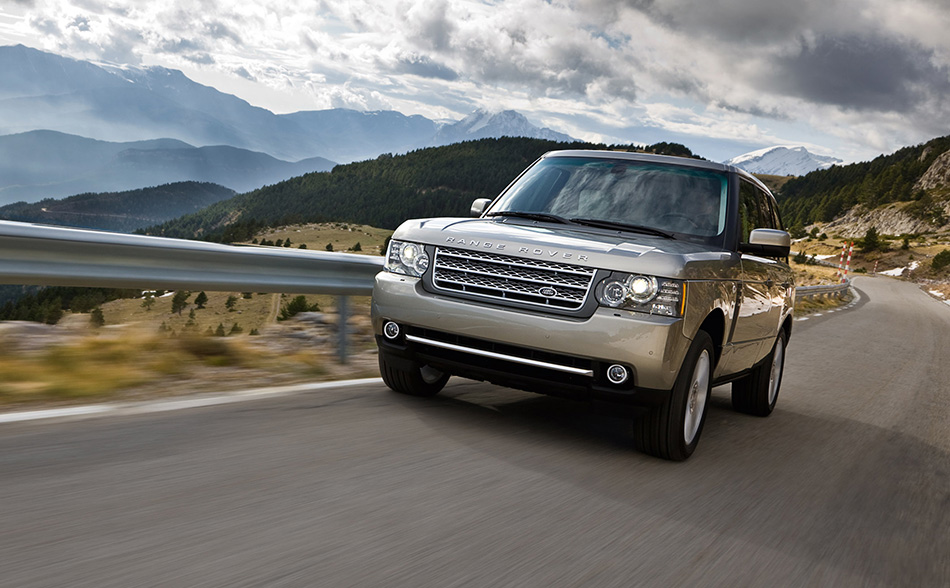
{"x": 297, "y": 305}
{"x": 941, "y": 260}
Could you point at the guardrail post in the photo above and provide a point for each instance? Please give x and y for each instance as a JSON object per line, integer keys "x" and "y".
{"x": 343, "y": 314}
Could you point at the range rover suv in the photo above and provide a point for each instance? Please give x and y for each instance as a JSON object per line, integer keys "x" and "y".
{"x": 632, "y": 279}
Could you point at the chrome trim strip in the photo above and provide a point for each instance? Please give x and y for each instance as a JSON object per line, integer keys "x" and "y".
{"x": 444, "y": 280}
{"x": 493, "y": 355}
{"x": 542, "y": 264}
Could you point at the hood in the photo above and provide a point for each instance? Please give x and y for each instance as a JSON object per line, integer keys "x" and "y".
{"x": 582, "y": 246}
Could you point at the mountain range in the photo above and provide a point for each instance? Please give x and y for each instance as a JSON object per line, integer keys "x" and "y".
{"x": 40, "y": 90}
{"x": 47, "y": 164}
{"x": 782, "y": 160}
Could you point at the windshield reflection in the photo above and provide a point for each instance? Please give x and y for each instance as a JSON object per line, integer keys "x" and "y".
{"x": 668, "y": 198}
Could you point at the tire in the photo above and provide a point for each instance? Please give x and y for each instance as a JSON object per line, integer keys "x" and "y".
{"x": 672, "y": 429}
{"x": 420, "y": 380}
{"x": 757, "y": 393}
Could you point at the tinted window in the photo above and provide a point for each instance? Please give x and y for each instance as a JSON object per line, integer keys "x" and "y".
{"x": 756, "y": 211}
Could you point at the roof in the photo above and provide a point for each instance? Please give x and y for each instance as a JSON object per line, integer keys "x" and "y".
{"x": 664, "y": 159}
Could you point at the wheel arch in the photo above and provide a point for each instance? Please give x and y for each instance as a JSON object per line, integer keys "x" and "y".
{"x": 714, "y": 325}
{"x": 787, "y": 327}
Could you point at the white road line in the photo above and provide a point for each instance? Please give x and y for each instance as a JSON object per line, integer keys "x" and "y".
{"x": 144, "y": 407}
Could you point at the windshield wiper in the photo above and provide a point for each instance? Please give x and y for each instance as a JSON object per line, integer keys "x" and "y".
{"x": 541, "y": 216}
{"x": 606, "y": 224}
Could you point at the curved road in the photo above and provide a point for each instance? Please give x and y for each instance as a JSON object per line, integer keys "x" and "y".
{"x": 846, "y": 484}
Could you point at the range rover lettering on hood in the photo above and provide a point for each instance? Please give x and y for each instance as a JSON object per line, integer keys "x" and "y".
{"x": 538, "y": 251}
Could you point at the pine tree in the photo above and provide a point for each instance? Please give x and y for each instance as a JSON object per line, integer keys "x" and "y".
{"x": 179, "y": 301}
{"x": 96, "y": 318}
{"x": 201, "y": 299}
{"x": 872, "y": 241}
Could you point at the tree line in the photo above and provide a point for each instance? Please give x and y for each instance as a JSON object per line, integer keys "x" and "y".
{"x": 383, "y": 192}
{"x": 822, "y": 195}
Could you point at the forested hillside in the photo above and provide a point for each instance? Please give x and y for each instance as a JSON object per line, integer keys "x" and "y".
{"x": 823, "y": 195}
{"x": 440, "y": 181}
{"x": 120, "y": 211}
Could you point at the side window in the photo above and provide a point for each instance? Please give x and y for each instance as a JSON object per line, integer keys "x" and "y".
{"x": 776, "y": 218}
{"x": 748, "y": 211}
{"x": 767, "y": 213}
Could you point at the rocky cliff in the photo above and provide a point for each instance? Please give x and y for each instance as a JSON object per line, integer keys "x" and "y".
{"x": 937, "y": 175}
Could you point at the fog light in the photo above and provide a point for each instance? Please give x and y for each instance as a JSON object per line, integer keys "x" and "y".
{"x": 391, "y": 330}
{"x": 617, "y": 374}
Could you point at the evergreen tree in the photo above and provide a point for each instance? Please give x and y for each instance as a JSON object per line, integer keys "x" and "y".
{"x": 357, "y": 247}
{"x": 96, "y": 318}
{"x": 230, "y": 302}
{"x": 179, "y": 301}
{"x": 941, "y": 260}
{"x": 201, "y": 299}
{"x": 219, "y": 332}
{"x": 297, "y": 305}
{"x": 872, "y": 241}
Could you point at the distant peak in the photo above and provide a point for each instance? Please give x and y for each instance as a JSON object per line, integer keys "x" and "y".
{"x": 782, "y": 160}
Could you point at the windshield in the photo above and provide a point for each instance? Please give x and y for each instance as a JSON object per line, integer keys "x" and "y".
{"x": 678, "y": 200}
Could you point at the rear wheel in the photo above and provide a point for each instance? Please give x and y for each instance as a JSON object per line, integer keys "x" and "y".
{"x": 418, "y": 380}
{"x": 672, "y": 430}
{"x": 757, "y": 393}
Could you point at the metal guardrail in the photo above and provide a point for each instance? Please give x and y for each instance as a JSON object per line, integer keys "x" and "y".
{"x": 818, "y": 291}
{"x": 58, "y": 256}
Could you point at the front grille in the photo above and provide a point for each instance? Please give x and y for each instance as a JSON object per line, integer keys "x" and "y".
{"x": 512, "y": 279}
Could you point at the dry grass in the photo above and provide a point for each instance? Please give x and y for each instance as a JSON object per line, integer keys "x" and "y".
{"x": 343, "y": 236}
{"x": 133, "y": 363}
{"x": 806, "y": 306}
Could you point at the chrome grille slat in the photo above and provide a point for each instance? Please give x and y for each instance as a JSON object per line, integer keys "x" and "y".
{"x": 512, "y": 279}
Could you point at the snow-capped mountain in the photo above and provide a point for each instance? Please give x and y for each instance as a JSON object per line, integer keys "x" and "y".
{"x": 782, "y": 160}
{"x": 483, "y": 124}
{"x": 117, "y": 103}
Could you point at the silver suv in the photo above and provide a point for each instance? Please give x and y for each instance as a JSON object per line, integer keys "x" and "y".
{"x": 631, "y": 279}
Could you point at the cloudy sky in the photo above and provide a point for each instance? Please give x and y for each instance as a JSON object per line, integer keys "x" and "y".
{"x": 849, "y": 78}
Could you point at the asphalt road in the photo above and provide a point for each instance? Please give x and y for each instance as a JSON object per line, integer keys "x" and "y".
{"x": 846, "y": 484}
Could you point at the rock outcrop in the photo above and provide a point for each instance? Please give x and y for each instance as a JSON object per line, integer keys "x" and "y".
{"x": 937, "y": 176}
{"x": 889, "y": 220}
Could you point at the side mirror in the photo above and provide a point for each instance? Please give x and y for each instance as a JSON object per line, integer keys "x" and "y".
{"x": 479, "y": 206}
{"x": 767, "y": 243}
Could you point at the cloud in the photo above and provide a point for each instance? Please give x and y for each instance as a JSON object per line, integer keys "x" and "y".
{"x": 420, "y": 65}
{"x": 769, "y": 70}
{"x": 869, "y": 73}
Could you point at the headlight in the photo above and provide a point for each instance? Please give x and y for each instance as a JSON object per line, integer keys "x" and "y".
{"x": 642, "y": 294}
{"x": 410, "y": 259}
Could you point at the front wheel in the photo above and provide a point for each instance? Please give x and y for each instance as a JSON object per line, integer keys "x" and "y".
{"x": 757, "y": 393}
{"x": 672, "y": 429}
{"x": 417, "y": 380}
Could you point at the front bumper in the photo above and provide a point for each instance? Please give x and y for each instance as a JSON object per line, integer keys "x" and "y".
{"x": 484, "y": 342}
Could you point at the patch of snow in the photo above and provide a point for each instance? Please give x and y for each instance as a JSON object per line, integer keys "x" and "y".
{"x": 937, "y": 293}
{"x": 896, "y": 272}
